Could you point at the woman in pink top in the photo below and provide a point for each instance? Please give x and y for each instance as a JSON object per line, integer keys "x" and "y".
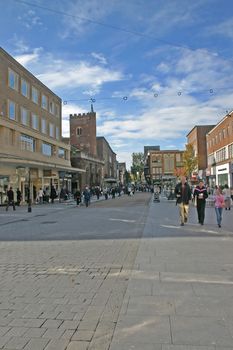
{"x": 219, "y": 205}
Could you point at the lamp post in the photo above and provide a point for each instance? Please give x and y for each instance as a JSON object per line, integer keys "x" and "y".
{"x": 29, "y": 192}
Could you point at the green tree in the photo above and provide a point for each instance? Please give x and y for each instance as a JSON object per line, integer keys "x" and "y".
{"x": 137, "y": 167}
{"x": 190, "y": 160}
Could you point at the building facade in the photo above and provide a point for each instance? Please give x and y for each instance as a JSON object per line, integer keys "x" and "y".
{"x": 32, "y": 155}
{"x": 220, "y": 153}
{"x": 84, "y": 150}
{"x": 163, "y": 166}
{"x": 106, "y": 153}
{"x": 197, "y": 138}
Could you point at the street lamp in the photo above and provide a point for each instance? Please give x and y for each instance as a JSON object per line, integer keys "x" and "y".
{"x": 29, "y": 192}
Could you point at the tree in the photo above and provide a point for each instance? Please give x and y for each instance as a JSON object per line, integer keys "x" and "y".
{"x": 190, "y": 160}
{"x": 137, "y": 167}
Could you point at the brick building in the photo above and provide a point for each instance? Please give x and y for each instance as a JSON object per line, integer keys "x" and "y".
{"x": 32, "y": 154}
{"x": 197, "y": 137}
{"x": 220, "y": 152}
{"x": 84, "y": 150}
{"x": 106, "y": 153}
{"x": 163, "y": 165}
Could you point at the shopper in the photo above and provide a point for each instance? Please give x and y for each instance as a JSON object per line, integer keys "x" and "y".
{"x": 10, "y": 199}
{"x": 183, "y": 195}
{"x": 200, "y": 194}
{"x": 227, "y": 197}
{"x": 219, "y": 204}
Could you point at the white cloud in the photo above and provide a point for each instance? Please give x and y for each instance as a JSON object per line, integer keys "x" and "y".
{"x": 68, "y": 109}
{"x": 29, "y": 58}
{"x": 99, "y": 57}
{"x": 225, "y": 28}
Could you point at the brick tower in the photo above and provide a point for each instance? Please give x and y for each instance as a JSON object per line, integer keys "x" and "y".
{"x": 83, "y": 131}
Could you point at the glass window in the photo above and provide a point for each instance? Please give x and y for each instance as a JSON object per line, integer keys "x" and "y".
{"x": 35, "y": 121}
{"x": 13, "y": 80}
{"x": 47, "y": 149}
{"x": 51, "y": 129}
{"x": 27, "y": 143}
{"x": 51, "y": 107}
{"x": 35, "y": 95}
{"x": 57, "y": 133}
{"x": 43, "y": 126}
{"x": 230, "y": 151}
{"x": 57, "y": 110}
{"x": 12, "y": 110}
{"x": 221, "y": 155}
{"x": 24, "y": 116}
{"x": 61, "y": 153}
{"x": 79, "y": 131}
{"x": 24, "y": 88}
{"x": 44, "y": 102}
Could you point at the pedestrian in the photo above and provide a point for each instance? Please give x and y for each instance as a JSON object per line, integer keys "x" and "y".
{"x": 200, "y": 194}
{"x": 53, "y": 194}
{"x": 183, "y": 195}
{"x": 227, "y": 196}
{"x": 219, "y": 204}
{"x": 18, "y": 196}
{"x": 77, "y": 196}
{"x": 10, "y": 199}
{"x": 40, "y": 196}
{"x": 87, "y": 196}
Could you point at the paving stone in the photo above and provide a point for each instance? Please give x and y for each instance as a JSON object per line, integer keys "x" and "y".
{"x": 78, "y": 345}
{"x": 36, "y": 344}
{"x": 26, "y": 322}
{"x": 56, "y": 344}
{"x": 53, "y": 333}
{"x": 83, "y": 335}
{"x": 52, "y": 323}
{"x": 16, "y": 343}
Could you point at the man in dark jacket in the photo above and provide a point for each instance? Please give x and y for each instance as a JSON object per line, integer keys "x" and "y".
{"x": 10, "y": 199}
{"x": 200, "y": 194}
{"x": 183, "y": 195}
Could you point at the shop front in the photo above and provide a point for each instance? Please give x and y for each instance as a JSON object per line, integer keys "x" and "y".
{"x": 223, "y": 175}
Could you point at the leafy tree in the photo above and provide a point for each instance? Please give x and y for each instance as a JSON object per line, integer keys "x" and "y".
{"x": 127, "y": 177}
{"x": 189, "y": 159}
{"x": 137, "y": 167}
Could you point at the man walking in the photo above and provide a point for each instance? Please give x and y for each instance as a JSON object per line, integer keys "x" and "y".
{"x": 200, "y": 194}
{"x": 183, "y": 195}
{"x": 10, "y": 197}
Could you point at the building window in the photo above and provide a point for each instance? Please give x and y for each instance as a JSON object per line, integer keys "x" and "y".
{"x": 46, "y": 149}
{"x": 35, "y": 95}
{"x": 27, "y": 143}
{"x": 57, "y": 133}
{"x": 43, "y": 126}
{"x": 230, "y": 151}
{"x": 79, "y": 131}
{"x": 44, "y": 102}
{"x": 24, "y": 116}
{"x": 51, "y": 129}
{"x": 61, "y": 153}
{"x": 24, "y": 88}
{"x": 13, "y": 80}
{"x": 51, "y": 107}
{"x": 35, "y": 121}
{"x": 12, "y": 110}
{"x": 221, "y": 155}
{"x": 224, "y": 133}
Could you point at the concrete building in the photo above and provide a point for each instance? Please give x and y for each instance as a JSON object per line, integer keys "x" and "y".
{"x": 32, "y": 155}
{"x": 197, "y": 137}
{"x": 121, "y": 173}
{"x": 220, "y": 153}
{"x": 163, "y": 165}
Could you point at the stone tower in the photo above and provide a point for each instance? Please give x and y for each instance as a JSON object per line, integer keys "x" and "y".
{"x": 83, "y": 131}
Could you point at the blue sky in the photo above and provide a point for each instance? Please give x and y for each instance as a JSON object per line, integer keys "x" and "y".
{"x": 172, "y": 59}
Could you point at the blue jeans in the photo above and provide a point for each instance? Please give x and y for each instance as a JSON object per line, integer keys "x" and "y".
{"x": 219, "y": 215}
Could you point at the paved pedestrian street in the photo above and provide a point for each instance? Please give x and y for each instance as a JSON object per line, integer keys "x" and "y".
{"x": 120, "y": 274}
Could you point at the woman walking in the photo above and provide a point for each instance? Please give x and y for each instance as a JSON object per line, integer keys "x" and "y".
{"x": 227, "y": 196}
{"x": 219, "y": 205}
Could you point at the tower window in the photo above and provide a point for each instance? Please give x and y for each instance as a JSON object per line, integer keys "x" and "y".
{"x": 79, "y": 131}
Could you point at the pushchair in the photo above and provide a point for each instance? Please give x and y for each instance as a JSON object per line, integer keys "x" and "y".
{"x": 156, "y": 196}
